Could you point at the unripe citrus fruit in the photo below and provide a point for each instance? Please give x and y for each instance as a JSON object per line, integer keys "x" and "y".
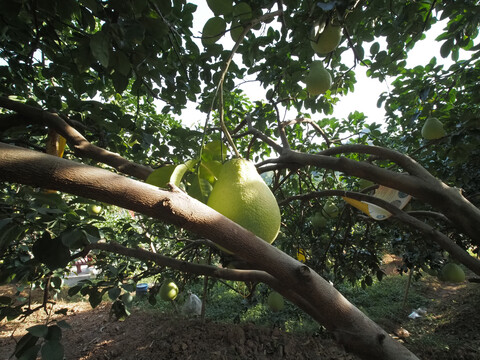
{"x": 275, "y": 301}
{"x": 213, "y": 30}
{"x": 241, "y": 195}
{"x": 330, "y": 210}
{"x": 327, "y": 40}
{"x": 168, "y": 290}
{"x": 94, "y": 209}
{"x": 318, "y": 220}
{"x": 318, "y": 79}
{"x": 433, "y": 129}
{"x": 451, "y": 272}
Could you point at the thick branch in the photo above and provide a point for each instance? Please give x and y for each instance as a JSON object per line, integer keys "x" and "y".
{"x": 75, "y": 140}
{"x": 406, "y": 162}
{"x": 350, "y": 326}
{"x": 449, "y": 201}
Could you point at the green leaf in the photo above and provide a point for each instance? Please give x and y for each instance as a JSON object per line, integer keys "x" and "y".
{"x": 209, "y": 170}
{"x": 114, "y": 293}
{"x": 74, "y": 290}
{"x": 30, "y": 353}
{"x": 446, "y": 48}
{"x": 52, "y": 350}
{"x": 38, "y": 330}
{"x": 100, "y": 47}
{"x": 73, "y": 238}
{"x": 214, "y": 150}
{"x": 374, "y": 48}
{"x": 51, "y": 252}
{"x": 95, "y": 297}
{"x": 120, "y": 82}
{"x": 54, "y": 333}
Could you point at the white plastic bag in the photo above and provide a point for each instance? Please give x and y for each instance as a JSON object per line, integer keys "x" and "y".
{"x": 193, "y": 305}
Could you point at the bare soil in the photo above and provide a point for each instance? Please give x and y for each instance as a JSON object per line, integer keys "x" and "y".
{"x": 450, "y": 330}
{"x": 148, "y": 335}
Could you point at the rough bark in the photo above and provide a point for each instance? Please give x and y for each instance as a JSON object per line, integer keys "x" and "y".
{"x": 313, "y": 293}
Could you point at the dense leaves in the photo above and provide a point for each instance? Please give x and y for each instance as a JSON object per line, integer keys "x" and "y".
{"x": 120, "y": 72}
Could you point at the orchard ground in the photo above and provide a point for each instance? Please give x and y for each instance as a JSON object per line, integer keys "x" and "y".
{"x": 448, "y": 330}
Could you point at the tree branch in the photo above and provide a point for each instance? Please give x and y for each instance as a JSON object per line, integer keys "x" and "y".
{"x": 441, "y": 239}
{"x": 75, "y": 140}
{"x": 349, "y": 324}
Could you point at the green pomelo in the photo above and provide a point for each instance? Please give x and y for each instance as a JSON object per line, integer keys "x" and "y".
{"x": 242, "y": 11}
{"x": 213, "y": 30}
{"x": 94, "y": 209}
{"x": 326, "y": 41}
{"x": 451, "y": 272}
{"x": 241, "y": 195}
{"x": 220, "y": 7}
{"x": 318, "y": 220}
{"x": 275, "y": 301}
{"x": 318, "y": 80}
{"x": 168, "y": 291}
{"x": 330, "y": 210}
{"x": 433, "y": 129}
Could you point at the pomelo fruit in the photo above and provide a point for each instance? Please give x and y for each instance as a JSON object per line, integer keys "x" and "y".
{"x": 327, "y": 40}
{"x": 330, "y": 210}
{"x": 318, "y": 220}
{"x": 451, "y": 272}
{"x": 318, "y": 80}
{"x": 168, "y": 290}
{"x": 94, "y": 209}
{"x": 275, "y": 301}
{"x": 433, "y": 129}
{"x": 241, "y": 195}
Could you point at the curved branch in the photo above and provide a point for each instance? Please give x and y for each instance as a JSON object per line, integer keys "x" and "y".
{"x": 441, "y": 239}
{"x": 427, "y": 188}
{"x": 349, "y": 324}
{"x": 406, "y": 162}
{"x": 75, "y": 140}
{"x": 314, "y": 125}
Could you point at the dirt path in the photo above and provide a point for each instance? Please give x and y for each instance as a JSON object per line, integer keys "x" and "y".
{"x": 450, "y": 330}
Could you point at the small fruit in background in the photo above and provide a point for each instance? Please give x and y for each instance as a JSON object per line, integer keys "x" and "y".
{"x": 326, "y": 40}
{"x": 318, "y": 80}
{"x": 433, "y": 129}
{"x": 331, "y": 210}
{"x": 452, "y": 272}
{"x": 94, "y": 209}
{"x": 275, "y": 301}
{"x": 318, "y": 220}
{"x": 168, "y": 290}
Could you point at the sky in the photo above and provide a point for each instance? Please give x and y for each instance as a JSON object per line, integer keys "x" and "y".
{"x": 367, "y": 90}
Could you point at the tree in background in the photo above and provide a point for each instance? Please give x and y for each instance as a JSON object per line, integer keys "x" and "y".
{"x": 93, "y": 73}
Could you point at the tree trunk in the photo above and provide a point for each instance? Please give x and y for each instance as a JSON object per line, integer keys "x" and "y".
{"x": 299, "y": 283}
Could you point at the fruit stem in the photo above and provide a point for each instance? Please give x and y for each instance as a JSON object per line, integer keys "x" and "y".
{"x": 223, "y": 126}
